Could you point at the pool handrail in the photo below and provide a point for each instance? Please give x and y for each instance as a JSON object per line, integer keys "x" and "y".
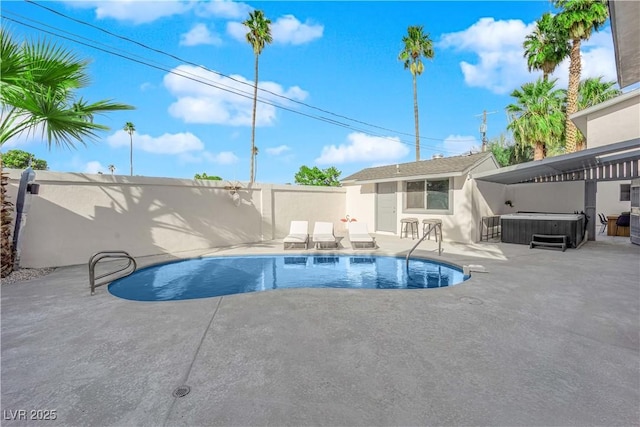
{"x": 98, "y": 256}
{"x": 420, "y": 241}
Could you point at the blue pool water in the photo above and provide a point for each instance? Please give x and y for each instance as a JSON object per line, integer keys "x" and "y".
{"x": 217, "y": 276}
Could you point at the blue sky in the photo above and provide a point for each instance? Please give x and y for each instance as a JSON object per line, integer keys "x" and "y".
{"x": 330, "y": 61}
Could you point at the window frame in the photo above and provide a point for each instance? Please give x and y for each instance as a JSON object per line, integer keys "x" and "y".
{"x": 623, "y": 193}
{"x": 425, "y": 209}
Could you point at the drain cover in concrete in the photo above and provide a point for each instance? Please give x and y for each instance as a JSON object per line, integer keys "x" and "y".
{"x": 471, "y": 300}
{"x": 181, "y": 391}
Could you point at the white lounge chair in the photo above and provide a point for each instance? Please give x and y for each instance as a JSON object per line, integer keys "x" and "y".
{"x": 323, "y": 234}
{"x": 359, "y": 235}
{"x": 298, "y": 235}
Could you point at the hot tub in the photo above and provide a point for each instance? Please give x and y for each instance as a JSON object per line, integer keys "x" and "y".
{"x": 518, "y": 228}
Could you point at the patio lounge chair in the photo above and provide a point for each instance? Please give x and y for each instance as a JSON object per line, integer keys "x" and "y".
{"x": 359, "y": 235}
{"x": 323, "y": 234}
{"x": 298, "y": 235}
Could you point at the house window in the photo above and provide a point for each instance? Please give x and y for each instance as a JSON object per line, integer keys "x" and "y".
{"x": 438, "y": 194}
{"x": 625, "y": 192}
{"x": 428, "y": 195}
{"x": 415, "y": 195}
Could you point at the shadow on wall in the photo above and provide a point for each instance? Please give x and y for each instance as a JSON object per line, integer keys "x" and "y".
{"x": 494, "y": 196}
{"x": 70, "y": 221}
{"x": 311, "y": 204}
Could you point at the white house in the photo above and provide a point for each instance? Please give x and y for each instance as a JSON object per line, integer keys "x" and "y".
{"x": 439, "y": 188}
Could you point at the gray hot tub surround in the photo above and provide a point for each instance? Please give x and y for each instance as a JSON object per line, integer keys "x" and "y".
{"x": 520, "y": 227}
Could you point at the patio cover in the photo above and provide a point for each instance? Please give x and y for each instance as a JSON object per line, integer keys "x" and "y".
{"x": 619, "y": 161}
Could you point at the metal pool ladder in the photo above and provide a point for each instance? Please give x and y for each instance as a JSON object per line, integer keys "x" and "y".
{"x": 98, "y": 256}
{"x": 420, "y": 241}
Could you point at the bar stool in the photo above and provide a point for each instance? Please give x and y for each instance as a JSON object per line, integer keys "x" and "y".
{"x": 429, "y": 225}
{"x": 405, "y": 223}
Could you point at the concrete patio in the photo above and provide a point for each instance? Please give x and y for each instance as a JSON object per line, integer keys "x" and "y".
{"x": 543, "y": 338}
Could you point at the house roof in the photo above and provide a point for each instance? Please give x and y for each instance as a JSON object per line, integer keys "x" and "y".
{"x": 434, "y": 168}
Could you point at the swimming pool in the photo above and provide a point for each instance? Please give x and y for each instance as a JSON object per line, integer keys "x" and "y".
{"x": 218, "y": 276}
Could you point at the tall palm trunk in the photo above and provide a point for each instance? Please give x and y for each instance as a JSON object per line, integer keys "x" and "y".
{"x": 572, "y": 95}
{"x": 415, "y": 115}
{"x": 539, "y": 151}
{"x": 130, "y": 154}
{"x": 253, "y": 120}
{"x": 6, "y": 254}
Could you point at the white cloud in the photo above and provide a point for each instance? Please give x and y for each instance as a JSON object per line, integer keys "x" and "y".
{"x": 165, "y": 144}
{"x": 237, "y": 31}
{"x": 276, "y": 151}
{"x": 199, "y": 35}
{"x": 488, "y": 35}
{"x": 498, "y": 45}
{"x": 459, "y": 144}
{"x": 597, "y": 59}
{"x": 363, "y": 148}
{"x": 285, "y": 30}
{"x": 222, "y": 158}
{"x": 94, "y": 167}
{"x": 134, "y": 11}
{"x": 23, "y": 138}
{"x": 501, "y": 66}
{"x": 223, "y": 9}
{"x": 288, "y": 30}
{"x": 199, "y": 103}
{"x": 146, "y": 86}
{"x": 29, "y": 136}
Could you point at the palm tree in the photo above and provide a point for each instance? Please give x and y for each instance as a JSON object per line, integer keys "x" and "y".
{"x": 417, "y": 44}
{"x": 6, "y": 260}
{"x": 536, "y": 119}
{"x": 130, "y": 128}
{"x": 546, "y": 47}
{"x": 579, "y": 18}
{"x": 111, "y": 168}
{"x": 255, "y": 154}
{"x": 593, "y": 91}
{"x": 258, "y": 36}
{"x": 38, "y": 86}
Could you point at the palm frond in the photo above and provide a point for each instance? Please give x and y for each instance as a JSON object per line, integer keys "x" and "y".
{"x": 38, "y": 85}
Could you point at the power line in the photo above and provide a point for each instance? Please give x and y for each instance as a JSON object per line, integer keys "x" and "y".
{"x": 207, "y": 82}
{"x": 193, "y": 77}
{"x": 186, "y": 75}
{"x": 162, "y": 52}
{"x": 483, "y": 128}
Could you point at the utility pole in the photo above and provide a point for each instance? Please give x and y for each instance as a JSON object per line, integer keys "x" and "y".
{"x": 483, "y": 128}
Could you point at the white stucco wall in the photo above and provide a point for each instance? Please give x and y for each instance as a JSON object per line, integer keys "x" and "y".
{"x": 488, "y": 200}
{"x": 457, "y": 225}
{"x": 307, "y": 203}
{"x": 460, "y": 224}
{"x": 76, "y": 215}
{"x": 615, "y": 123}
{"x": 608, "y": 198}
{"x": 361, "y": 204}
{"x": 560, "y": 197}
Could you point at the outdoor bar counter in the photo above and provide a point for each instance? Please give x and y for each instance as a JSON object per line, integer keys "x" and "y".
{"x": 520, "y": 227}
